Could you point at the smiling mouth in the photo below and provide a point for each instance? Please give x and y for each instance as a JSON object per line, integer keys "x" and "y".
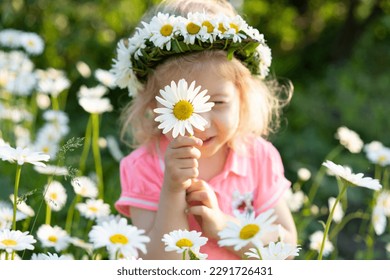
{"x": 207, "y": 140}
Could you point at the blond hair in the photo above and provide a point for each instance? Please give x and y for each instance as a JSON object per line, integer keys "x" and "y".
{"x": 261, "y": 101}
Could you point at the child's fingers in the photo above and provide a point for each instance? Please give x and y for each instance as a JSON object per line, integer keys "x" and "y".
{"x": 199, "y": 210}
{"x": 183, "y": 141}
{"x": 201, "y": 196}
{"x": 198, "y": 185}
{"x": 185, "y": 152}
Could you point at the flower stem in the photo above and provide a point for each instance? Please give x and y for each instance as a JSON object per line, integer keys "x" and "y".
{"x": 259, "y": 253}
{"x": 184, "y": 255}
{"x": 87, "y": 145}
{"x": 343, "y": 189}
{"x": 16, "y": 190}
{"x": 69, "y": 217}
{"x": 55, "y": 104}
{"x": 96, "y": 154}
{"x": 48, "y": 214}
{"x": 320, "y": 174}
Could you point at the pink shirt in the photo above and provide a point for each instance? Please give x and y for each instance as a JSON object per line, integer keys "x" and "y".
{"x": 259, "y": 173}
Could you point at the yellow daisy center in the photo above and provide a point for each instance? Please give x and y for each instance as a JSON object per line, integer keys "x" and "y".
{"x": 92, "y": 209}
{"x": 222, "y": 28}
{"x": 235, "y": 27}
{"x": 52, "y": 238}
{"x": 119, "y": 238}
{"x": 382, "y": 159}
{"x": 166, "y": 30}
{"x": 193, "y": 28}
{"x": 183, "y": 110}
{"x": 249, "y": 231}
{"x": 209, "y": 26}
{"x": 9, "y": 242}
{"x": 53, "y": 196}
{"x": 184, "y": 242}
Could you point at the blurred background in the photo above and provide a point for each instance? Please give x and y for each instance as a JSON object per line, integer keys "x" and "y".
{"x": 335, "y": 52}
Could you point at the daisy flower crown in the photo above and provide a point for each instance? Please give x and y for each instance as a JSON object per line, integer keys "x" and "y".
{"x": 169, "y": 35}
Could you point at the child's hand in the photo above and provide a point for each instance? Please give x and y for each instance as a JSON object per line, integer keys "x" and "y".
{"x": 181, "y": 163}
{"x": 203, "y": 204}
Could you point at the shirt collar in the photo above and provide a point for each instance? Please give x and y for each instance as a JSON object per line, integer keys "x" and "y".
{"x": 236, "y": 163}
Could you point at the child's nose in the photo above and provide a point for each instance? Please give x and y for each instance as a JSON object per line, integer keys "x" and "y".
{"x": 207, "y": 117}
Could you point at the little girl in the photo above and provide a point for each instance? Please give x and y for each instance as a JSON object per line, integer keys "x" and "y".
{"x": 189, "y": 182}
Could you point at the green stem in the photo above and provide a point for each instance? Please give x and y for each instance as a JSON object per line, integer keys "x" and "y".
{"x": 370, "y": 242}
{"x": 87, "y": 145}
{"x": 54, "y": 103}
{"x": 320, "y": 174}
{"x": 385, "y": 180}
{"x": 330, "y": 217}
{"x": 184, "y": 255}
{"x": 16, "y": 190}
{"x": 69, "y": 217}
{"x": 259, "y": 253}
{"x": 96, "y": 154}
{"x": 48, "y": 214}
{"x": 344, "y": 221}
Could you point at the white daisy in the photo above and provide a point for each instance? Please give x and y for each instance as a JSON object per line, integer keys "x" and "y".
{"x": 105, "y": 77}
{"x": 316, "y": 241}
{"x": 83, "y": 68}
{"x": 274, "y": 251}
{"x": 379, "y": 156}
{"x": 163, "y": 28}
{"x": 32, "y": 43}
{"x": 49, "y": 257}
{"x": 96, "y": 105}
{"x": 383, "y": 202}
{"x": 15, "y": 240}
{"x": 249, "y": 230}
{"x": 122, "y": 69}
{"x": 304, "y": 174}
{"x": 182, "y": 240}
{"x": 294, "y": 199}
{"x": 22, "y": 206}
{"x": 119, "y": 235}
{"x": 338, "y": 213}
{"x": 378, "y": 220}
{"x": 191, "y": 28}
{"x": 373, "y": 146}
{"x": 92, "y": 209}
{"x": 53, "y": 237}
{"x": 235, "y": 25}
{"x": 84, "y": 186}
{"x": 10, "y": 38}
{"x": 93, "y": 92}
{"x": 55, "y": 195}
{"x": 46, "y": 146}
{"x": 265, "y": 59}
{"x": 6, "y": 216}
{"x": 88, "y": 247}
{"x": 23, "y": 155}
{"x": 346, "y": 174}
{"x": 182, "y": 105}
{"x": 349, "y": 139}
{"x": 52, "y": 81}
{"x": 52, "y": 170}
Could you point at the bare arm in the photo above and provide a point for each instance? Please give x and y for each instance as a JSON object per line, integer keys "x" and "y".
{"x": 181, "y": 166}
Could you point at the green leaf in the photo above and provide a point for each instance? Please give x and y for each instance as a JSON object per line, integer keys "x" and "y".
{"x": 192, "y": 255}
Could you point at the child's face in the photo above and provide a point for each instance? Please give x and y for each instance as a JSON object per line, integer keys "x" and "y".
{"x": 223, "y": 119}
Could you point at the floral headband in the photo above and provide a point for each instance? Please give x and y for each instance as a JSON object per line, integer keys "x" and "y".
{"x": 168, "y": 35}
